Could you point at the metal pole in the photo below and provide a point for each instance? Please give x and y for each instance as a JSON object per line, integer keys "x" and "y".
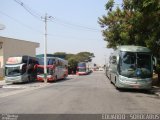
{"x": 45, "y": 50}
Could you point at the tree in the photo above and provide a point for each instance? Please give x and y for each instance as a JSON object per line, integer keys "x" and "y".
{"x": 135, "y": 23}
{"x": 74, "y": 59}
{"x": 60, "y": 54}
{"x": 84, "y": 56}
{"x": 72, "y": 62}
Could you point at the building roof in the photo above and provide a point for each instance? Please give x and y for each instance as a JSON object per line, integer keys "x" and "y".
{"x": 3, "y": 39}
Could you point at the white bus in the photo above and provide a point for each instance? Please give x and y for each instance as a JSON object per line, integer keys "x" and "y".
{"x": 57, "y": 68}
{"x": 21, "y": 69}
{"x": 131, "y": 67}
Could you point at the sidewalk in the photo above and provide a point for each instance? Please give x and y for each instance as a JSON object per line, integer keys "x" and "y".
{"x": 2, "y": 82}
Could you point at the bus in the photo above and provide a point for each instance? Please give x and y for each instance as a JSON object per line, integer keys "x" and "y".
{"x": 131, "y": 67}
{"x": 57, "y": 68}
{"x": 21, "y": 69}
{"x": 82, "y": 68}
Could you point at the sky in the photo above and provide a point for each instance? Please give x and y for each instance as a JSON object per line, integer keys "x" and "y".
{"x": 72, "y": 25}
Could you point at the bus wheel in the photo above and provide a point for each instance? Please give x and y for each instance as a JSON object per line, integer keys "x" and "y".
{"x": 29, "y": 79}
{"x": 111, "y": 82}
{"x": 56, "y": 78}
{"x": 64, "y": 77}
{"x": 115, "y": 84}
{"x": 110, "y": 79}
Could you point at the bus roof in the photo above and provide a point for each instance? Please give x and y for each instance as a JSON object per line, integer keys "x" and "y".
{"x": 51, "y": 55}
{"x": 41, "y": 59}
{"x": 20, "y": 59}
{"x": 132, "y": 48}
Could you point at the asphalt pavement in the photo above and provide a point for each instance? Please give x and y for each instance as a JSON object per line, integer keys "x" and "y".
{"x": 89, "y": 94}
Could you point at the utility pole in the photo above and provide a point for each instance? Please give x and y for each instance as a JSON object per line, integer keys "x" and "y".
{"x": 45, "y": 50}
{"x": 45, "y": 47}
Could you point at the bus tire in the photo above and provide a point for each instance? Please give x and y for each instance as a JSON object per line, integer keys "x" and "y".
{"x": 56, "y": 78}
{"x": 115, "y": 82}
{"x": 115, "y": 85}
{"x": 65, "y": 76}
{"x": 110, "y": 79}
{"x": 117, "y": 88}
{"x": 111, "y": 82}
{"x": 29, "y": 79}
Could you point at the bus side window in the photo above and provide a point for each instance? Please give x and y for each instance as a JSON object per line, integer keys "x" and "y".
{"x": 30, "y": 66}
{"x": 24, "y": 68}
{"x": 25, "y": 59}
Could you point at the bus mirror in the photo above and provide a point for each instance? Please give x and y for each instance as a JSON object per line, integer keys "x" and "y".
{"x": 154, "y": 61}
{"x": 114, "y": 61}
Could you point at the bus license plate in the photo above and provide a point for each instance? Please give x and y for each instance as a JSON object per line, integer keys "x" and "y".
{"x": 135, "y": 86}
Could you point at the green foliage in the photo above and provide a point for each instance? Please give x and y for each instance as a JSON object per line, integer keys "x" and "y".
{"x": 137, "y": 22}
{"x": 74, "y": 59}
{"x": 158, "y": 68}
{"x": 109, "y": 5}
{"x": 61, "y": 54}
{"x": 84, "y": 56}
{"x": 69, "y": 56}
{"x": 72, "y": 62}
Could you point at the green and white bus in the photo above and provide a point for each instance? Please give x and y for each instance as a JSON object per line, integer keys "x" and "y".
{"x": 131, "y": 67}
{"x": 21, "y": 69}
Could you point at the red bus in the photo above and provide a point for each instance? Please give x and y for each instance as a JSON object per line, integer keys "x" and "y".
{"x": 57, "y": 68}
{"x": 82, "y": 68}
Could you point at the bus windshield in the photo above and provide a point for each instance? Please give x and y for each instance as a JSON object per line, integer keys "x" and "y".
{"x": 135, "y": 65}
{"x": 82, "y": 69}
{"x": 81, "y": 64}
{"x": 13, "y": 71}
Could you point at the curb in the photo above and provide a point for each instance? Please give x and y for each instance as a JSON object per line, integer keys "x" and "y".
{"x": 157, "y": 94}
{"x": 156, "y": 90}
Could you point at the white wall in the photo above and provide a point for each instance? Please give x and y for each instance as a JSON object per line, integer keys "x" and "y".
{"x": 13, "y": 47}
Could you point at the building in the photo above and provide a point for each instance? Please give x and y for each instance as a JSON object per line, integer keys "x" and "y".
{"x": 14, "y": 47}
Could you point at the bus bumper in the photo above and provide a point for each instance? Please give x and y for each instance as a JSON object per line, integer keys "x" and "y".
{"x": 133, "y": 83}
{"x": 17, "y": 79}
{"x": 81, "y": 73}
{"x": 49, "y": 78}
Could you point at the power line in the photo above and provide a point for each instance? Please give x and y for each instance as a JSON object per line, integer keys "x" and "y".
{"x": 69, "y": 37}
{"x": 17, "y": 21}
{"x": 77, "y": 26}
{"x": 59, "y": 21}
{"x": 29, "y": 10}
{"x": 37, "y": 31}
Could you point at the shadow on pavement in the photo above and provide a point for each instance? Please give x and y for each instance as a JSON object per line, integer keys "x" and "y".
{"x": 60, "y": 80}
{"x": 149, "y": 92}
